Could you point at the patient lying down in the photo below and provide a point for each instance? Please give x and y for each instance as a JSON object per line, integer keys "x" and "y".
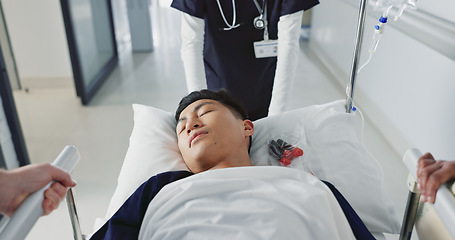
{"x": 224, "y": 197}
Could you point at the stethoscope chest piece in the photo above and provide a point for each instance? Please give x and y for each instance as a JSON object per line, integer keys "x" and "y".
{"x": 259, "y": 22}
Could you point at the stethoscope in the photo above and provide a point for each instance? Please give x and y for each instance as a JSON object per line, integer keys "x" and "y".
{"x": 259, "y": 22}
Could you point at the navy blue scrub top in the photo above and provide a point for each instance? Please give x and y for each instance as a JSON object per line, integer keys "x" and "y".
{"x": 229, "y": 57}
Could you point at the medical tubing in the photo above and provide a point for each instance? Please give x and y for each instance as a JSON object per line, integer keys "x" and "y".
{"x": 233, "y": 25}
{"x": 378, "y": 31}
{"x": 409, "y": 4}
{"x": 366, "y": 63}
{"x": 258, "y": 7}
{"x": 234, "y": 13}
{"x": 400, "y": 12}
{"x": 386, "y": 5}
{"x": 362, "y": 130}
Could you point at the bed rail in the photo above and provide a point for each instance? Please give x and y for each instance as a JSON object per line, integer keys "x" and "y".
{"x": 77, "y": 232}
{"x": 444, "y": 205}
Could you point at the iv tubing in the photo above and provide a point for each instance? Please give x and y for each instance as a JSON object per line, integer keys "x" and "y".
{"x": 377, "y": 36}
{"x": 362, "y": 140}
{"x": 230, "y": 26}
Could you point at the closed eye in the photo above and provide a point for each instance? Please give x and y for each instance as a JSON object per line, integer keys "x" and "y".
{"x": 183, "y": 126}
{"x": 205, "y": 112}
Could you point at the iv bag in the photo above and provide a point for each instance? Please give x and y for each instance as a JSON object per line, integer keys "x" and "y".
{"x": 385, "y": 5}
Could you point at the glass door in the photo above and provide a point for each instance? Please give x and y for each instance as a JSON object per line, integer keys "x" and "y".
{"x": 12, "y": 143}
{"x": 8, "y": 56}
{"x": 91, "y": 41}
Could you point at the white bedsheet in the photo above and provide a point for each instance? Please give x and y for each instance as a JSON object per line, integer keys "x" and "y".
{"x": 246, "y": 203}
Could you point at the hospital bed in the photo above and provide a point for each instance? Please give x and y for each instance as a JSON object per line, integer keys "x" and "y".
{"x": 328, "y": 138}
{"x": 331, "y": 150}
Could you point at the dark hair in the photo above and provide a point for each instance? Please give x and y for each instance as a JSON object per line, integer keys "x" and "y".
{"x": 223, "y": 96}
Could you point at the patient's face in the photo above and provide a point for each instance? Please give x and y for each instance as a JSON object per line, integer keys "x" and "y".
{"x": 210, "y": 136}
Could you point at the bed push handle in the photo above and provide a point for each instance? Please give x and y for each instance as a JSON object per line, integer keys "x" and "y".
{"x": 445, "y": 200}
{"x": 31, "y": 209}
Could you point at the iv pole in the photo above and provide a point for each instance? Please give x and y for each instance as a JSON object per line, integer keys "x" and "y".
{"x": 357, "y": 48}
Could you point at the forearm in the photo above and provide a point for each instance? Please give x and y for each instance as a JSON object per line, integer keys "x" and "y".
{"x": 287, "y": 60}
{"x": 3, "y": 191}
{"x": 9, "y": 195}
{"x": 191, "y": 52}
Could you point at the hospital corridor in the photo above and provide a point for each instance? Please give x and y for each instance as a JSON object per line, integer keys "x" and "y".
{"x": 401, "y": 103}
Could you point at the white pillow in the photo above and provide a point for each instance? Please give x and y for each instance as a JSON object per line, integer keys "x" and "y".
{"x": 336, "y": 155}
{"x": 332, "y": 148}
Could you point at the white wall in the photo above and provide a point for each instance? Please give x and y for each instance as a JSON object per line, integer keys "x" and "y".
{"x": 440, "y": 8}
{"x": 38, "y": 38}
{"x": 408, "y": 88}
{"x": 39, "y": 42}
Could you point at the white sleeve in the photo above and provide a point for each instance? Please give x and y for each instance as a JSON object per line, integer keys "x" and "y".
{"x": 287, "y": 59}
{"x": 191, "y": 52}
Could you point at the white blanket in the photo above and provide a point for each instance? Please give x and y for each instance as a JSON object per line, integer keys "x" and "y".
{"x": 246, "y": 203}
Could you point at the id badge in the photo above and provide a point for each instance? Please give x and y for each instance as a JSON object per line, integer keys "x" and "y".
{"x": 264, "y": 49}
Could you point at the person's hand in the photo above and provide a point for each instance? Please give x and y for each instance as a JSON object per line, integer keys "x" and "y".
{"x": 431, "y": 174}
{"x": 17, "y": 184}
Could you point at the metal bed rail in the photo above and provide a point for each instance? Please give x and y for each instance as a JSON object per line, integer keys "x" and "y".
{"x": 444, "y": 204}
{"x": 77, "y": 232}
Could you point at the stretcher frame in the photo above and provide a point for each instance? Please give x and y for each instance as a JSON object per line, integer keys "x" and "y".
{"x": 444, "y": 205}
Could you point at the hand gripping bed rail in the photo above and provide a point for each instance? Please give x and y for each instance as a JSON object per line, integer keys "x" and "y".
{"x": 31, "y": 209}
{"x": 445, "y": 200}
